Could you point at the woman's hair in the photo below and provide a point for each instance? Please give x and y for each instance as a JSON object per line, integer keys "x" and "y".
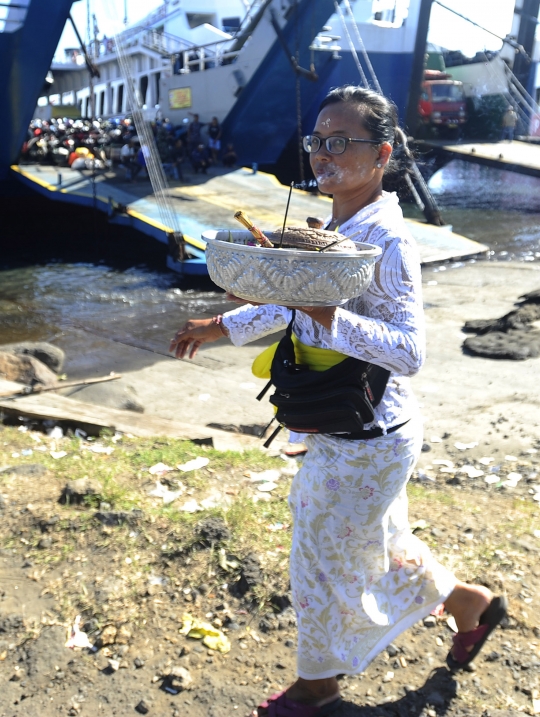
{"x": 379, "y": 117}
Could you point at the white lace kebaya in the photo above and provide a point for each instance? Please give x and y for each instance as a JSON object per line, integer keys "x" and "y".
{"x": 385, "y": 325}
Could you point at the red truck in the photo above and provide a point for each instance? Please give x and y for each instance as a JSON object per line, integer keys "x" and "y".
{"x": 442, "y": 103}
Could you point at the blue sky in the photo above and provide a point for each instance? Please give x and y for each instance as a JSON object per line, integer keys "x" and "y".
{"x": 446, "y": 29}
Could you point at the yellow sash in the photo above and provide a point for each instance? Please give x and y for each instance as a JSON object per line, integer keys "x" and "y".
{"x": 316, "y": 359}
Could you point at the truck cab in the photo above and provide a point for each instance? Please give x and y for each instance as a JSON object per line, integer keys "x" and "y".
{"x": 442, "y": 102}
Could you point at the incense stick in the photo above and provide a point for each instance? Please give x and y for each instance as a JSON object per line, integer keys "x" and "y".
{"x": 286, "y": 213}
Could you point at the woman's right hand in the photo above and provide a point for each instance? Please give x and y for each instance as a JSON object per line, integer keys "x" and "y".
{"x": 192, "y": 335}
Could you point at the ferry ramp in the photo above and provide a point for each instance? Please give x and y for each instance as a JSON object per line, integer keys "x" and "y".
{"x": 209, "y": 202}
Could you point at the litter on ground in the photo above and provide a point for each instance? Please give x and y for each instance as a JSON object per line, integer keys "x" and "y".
{"x": 194, "y": 464}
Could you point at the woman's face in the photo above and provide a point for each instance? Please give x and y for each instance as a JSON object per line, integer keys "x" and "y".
{"x": 356, "y": 167}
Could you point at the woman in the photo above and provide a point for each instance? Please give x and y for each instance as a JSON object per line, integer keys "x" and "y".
{"x": 359, "y": 576}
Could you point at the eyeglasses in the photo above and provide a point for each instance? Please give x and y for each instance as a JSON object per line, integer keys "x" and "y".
{"x": 334, "y": 145}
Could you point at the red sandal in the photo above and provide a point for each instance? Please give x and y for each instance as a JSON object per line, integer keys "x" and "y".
{"x": 459, "y": 656}
{"x": 279, "y": 705}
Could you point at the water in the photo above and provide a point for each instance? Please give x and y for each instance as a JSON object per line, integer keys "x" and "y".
{"x": 55, "y": 289}
{"x": 491, "y": 206}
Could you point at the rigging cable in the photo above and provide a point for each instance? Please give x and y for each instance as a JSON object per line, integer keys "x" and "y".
{"x": 423, "y": 198}
{"x": 363, "y": 48}
{"x": 506, "y": 39}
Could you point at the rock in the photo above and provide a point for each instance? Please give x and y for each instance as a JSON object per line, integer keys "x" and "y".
{"x": 107, "y": 636}
{"x": 45, "y": 543}
{"x": 517, "y": 320}
{"x": 114, "y": 518}
{"x": 430, "y": 621}
{"x": 426, "y": 448}
{"x": 31, "y": 470}
{"x": 138, "y": 663}
{"x": 250, "y": 575}
{"x": 213, "y": 530}
{"x": 113, "y": 394}
{"x": 143, "y": 708}
{"x": 392, "y": 650}
{"x": 516, "y": 345}
{"x": 75, "y": 491}
{"x": 179, "y": 678}
{"x": 123, "y": 636}
{"x": 25, "y": 369}
{"x": 52, "y": 356}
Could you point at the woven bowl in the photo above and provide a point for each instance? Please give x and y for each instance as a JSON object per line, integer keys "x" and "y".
{"x": 290, "y": 277}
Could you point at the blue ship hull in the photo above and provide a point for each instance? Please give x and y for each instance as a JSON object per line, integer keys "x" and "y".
{"x": 252, "y": 126}
{"x": 25, "y": 58}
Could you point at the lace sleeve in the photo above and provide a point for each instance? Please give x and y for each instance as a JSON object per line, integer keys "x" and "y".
{"x": 393, "y": 336}
{"x": 248, "y": 323}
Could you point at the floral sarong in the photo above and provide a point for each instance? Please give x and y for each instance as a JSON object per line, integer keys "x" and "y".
{"x": 359, "y": 576}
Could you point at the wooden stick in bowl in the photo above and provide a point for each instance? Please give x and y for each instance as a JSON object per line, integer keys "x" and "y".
{"x": 245, "y": 221}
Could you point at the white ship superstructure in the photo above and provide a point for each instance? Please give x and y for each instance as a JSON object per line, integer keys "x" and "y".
{"x": 152, "y": 47}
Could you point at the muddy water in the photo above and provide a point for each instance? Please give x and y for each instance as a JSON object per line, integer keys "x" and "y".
{"x": 141, "y": 304}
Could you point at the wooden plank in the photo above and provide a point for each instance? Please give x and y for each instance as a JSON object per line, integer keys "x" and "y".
{"x": 60, "y": 408}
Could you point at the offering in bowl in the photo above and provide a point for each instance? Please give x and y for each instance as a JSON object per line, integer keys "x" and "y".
{"x": 289, "y": 276}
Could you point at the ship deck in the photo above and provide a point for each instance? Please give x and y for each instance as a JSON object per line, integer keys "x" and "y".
{"x": 209, "y": 202}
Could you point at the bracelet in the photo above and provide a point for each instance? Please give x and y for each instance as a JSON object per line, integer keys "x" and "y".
{"x": 218, "y": 320}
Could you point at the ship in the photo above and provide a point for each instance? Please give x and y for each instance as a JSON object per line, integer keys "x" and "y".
{"x": 262, "y": 72}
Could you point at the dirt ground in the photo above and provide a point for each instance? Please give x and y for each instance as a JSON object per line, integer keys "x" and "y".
{"x": 131, "y": 567}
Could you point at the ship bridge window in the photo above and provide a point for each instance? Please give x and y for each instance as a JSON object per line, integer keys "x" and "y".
{"x": 230, "y": 24}
{"x": 389, "y": 13}
{"x": 199, "y": 18}
{"x": 447, "y": 93}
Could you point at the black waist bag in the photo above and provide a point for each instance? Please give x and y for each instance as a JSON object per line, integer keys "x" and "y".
{"x": 338, "y": 400}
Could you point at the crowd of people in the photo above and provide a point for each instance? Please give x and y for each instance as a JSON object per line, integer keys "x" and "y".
{"x": 97, "y": 144}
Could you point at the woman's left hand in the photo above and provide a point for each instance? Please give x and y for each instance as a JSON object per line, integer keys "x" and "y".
{"x": 323, "y": 315}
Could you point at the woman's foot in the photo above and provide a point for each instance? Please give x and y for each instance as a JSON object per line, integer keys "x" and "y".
{"x": 476, "y": 613}
{"x": 467, "y": 603}
{"x": 315, "y": 693}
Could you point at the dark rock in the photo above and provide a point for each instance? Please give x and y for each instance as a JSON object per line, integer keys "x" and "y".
{"x": 31, "y": 470}
{"x": 515, "y": 345}
{"x": 26, "y": 369}
{"x": 281, "y": 602}
{"x": 532, "y": 296}
{"x": 213, "y": 530}
{"x": 138, "y": 663}
{"x": 45, "y": 543}
{"x": 142, "y": 708}
{"x": 250, "y": 575}
{"x": 119, "y": 517}
{"x": 75, "y": 491}
{"x": 52, "y": 356}
{"x": 517, "y": 320}
{"x": 426, "y": 448}
{"x": 392, "y": 650}
{"x": 12, "y": 623}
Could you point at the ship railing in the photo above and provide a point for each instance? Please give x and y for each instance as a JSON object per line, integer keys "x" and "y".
{"x": 203, "y": 57}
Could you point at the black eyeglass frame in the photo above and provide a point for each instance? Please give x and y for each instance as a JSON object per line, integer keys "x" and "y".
{"x": 335, "y": 136}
